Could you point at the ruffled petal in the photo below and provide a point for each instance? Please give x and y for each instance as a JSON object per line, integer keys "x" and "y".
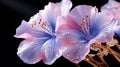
{"x": 29, "y": 51}
{"x": 71, "y": 25}
{"x": 65, "y": 6}
{"x": 112, "y": 4}
{"x": 76, "y": 52}
{"x": 68, "y": 36}
{"x": 106, "y": 32}
{"x": 50, "y": 14}
{"x": 52, "y": 11}
{"x": 112, "y": 7}
{"x": 35, "y": 18}
{"x": 25, "y": 31}
{"x": 68, "y": 32}
{"x": 99, "y": 23}
{"x": 66, "y": 21}
{"x": 83, "y": 12}
{"x": 51, "y": 49}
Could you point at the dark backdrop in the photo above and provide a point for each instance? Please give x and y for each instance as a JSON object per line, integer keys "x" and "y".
{"x": 12, "y": 12}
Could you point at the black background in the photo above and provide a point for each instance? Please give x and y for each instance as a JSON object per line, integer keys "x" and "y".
{"x": 12, "y": 12}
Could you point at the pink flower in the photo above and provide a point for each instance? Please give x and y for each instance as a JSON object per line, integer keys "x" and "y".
{"x": 83, "y": 26}
{"x": 39, "y": 32}
{"x": 113, "y": 7}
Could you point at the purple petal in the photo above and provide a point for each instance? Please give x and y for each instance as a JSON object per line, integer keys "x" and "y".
{"x": 76, "y": 52}
{"x": 51, "y": 50}
{"x": 29, "y": 51}
{"x": 65, "y": 6}
{"x": 69, "y": 36}
{"x": 106, "y": 33}
{"x": 52, "y": 11}
{"x": 50, "y": 14}
{"x": 112, "y": 7}
{"x": 68, "y": 32}
{"x": 25, "y": 31}
{"x": 99, "y": 23}
{"x": 112, "y": 4}
{"x": 103, "y": 27}
{"x": 117, "y": 30}
{"x": 82, "y": 12}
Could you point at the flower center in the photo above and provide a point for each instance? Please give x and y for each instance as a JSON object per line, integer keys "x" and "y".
{"x": 85, "y": 28}
{"x": 42, "y": 26}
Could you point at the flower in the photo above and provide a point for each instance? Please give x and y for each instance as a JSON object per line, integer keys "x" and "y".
{"x": 39, "y": 32}
{"x": 113, "y": 7}
{"x": 83, "y": 26}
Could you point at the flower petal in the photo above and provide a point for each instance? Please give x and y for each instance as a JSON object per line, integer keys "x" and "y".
{"x": 82, "y": 12}
{"x": 52, "y": 11}
{"x": 25, "y": 31}
{"x": 76, "y": 52}
{"x": 70, "y": 36}
{"x": 50, "y": 14}
{"x": 65, "y": 6}
{"x": 100, "y": 21}
{"x": 107, "y": 33}
{"x": 30, "y": 51}
{"x": 51, "y": 50}
{"x": 112, "y": 7}
{"x": 68, "y": 31}
{"x": 117, "y": 30}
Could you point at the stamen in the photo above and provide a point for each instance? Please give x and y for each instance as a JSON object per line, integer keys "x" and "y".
{"x": 40, "y": 20}
{"x": 42, "y": 25}
{"x": 86, "y": 16}
{"x": 32, "y": 25}
{"x": 84, "y": 25}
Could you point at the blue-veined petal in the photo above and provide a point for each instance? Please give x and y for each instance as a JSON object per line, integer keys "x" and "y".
{"x": 102, "y": 21}
{"x": 29, "y": 51}
{"x": 50, "y": 14}
{"x": 51, "y": 49}
{"x": 65, "y": 6}
{"x": 82, "y": 27}
{"x": 83, "y": 12}
{"x": 25, "y": 31}
{"x": 70, "y": 36}
{"x": 76, "y": 52}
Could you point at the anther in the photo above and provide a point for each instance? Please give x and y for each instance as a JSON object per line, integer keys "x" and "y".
{"x": 35, "y": 23}
{"x": 43, "y": 24}
{"x": 40, "y": 20}
{"x": 32, "y": 25}
{"x": 86, "y": 16}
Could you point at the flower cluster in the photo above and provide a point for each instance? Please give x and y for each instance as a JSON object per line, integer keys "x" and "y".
{"x": 59, "y": 31}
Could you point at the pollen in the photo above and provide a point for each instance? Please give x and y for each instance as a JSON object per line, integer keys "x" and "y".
{"x": 39, "y": 23}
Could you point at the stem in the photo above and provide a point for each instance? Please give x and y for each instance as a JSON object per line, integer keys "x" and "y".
{"x": 103, "y": 63}
{"x": 118, "y": 46}
{"x": 91, "y": 63}
{"x": 89, "y": 58}
{"x": 115, "y": 54}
